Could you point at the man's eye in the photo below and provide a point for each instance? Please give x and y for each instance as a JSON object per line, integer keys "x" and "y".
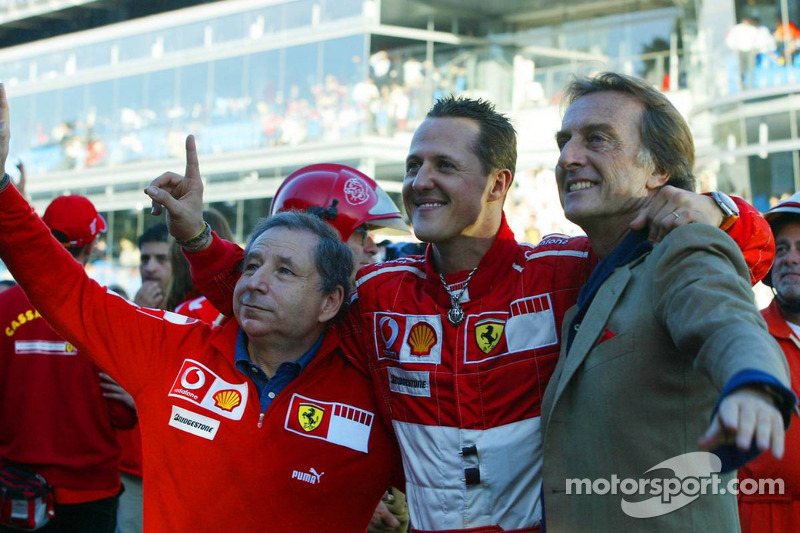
{"x": 250, "y": 267}
{"x": 284, "y": 270}
{"x": 412, "y": 168}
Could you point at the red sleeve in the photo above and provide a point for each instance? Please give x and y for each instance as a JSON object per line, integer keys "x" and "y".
{"x": 215, "y": 272}
{"x": 754, "y": 237}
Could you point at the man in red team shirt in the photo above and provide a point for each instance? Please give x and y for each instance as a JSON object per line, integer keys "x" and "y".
{"x": 54, "y": 419}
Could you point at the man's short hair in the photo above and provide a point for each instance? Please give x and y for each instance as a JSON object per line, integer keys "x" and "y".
{"x": 496, "y": 145}
{"x": 665, "y": 134}
{"x": 333, "y": 258}
{"x": 157, "y": 233}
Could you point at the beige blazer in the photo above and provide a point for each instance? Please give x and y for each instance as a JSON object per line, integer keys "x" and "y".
{"x": 658, "y": 343}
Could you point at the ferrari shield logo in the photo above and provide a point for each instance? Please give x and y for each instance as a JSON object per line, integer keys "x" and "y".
{"x": 310, "y": 416}
{"x": 488, "y": 334}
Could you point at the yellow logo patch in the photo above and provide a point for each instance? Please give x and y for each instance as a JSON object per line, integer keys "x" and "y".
{"x": 488, "y": 334}
{"x": 310, "y": 416}
{"x": 421, "y": 339}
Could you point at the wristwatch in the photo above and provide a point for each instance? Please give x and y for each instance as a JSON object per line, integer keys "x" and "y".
{"x": 730, "y": 211}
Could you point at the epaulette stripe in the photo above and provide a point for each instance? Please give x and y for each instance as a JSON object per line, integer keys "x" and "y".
{"x": 569, "y": 253}
{"x": 399, "y": 268}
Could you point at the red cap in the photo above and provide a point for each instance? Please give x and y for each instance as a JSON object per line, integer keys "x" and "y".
{"x": 75, "y": 217}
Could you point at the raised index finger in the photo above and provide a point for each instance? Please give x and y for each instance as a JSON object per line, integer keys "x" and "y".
{"x": 192, "y": 164}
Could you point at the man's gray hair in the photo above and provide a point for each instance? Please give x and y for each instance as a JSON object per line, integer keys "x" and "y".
{"x": 333, "y": 259}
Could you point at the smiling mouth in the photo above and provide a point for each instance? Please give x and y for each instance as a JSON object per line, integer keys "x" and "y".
{"x": 430, "y": 205}
{"x": 581, "y": 185}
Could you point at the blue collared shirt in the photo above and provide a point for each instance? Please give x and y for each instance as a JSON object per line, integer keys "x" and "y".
{"x": 269, "y": 388}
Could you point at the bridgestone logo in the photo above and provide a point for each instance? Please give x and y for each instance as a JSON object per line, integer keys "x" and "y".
{"x": 416, "y": 383}
{"x": 410, "y": 382}
{"x": 194, "y": 423}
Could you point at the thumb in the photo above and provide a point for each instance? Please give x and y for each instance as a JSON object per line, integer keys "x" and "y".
{"x": 192, "y": 164}
{"x": 161, "y": 198}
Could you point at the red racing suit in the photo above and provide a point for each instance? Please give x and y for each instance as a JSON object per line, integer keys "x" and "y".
{"x": 318, "y": 461}
{"x": 465, "y": 400}
{"x": 776, "y": 513}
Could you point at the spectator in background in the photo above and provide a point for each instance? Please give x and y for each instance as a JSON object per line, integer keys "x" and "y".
{"x": 54, "y": 419}
{"x": 779, "y": 513}
{"x": 182, "y": 297}
{"x": 155, "y": 267}
{"x": 787, "y": 37}
{"x": 748, "y": 39}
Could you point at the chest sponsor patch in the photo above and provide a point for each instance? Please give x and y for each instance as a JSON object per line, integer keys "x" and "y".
{"x": 408, "y": 338}
{"x": 193, "y": 423}
{"x": 334, "y": 422}
{"x": 44, "y": 347}
{"x": 532, "y": 324}
{"x": 196, "y": 383}
{"x": 412, "y": 383}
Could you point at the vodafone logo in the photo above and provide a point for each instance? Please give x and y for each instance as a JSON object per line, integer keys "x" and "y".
{"x": 193, "y": 378}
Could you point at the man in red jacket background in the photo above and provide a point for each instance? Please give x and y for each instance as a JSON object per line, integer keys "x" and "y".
{"x": 54, "y": 419}
{"x": 761, "y": 513}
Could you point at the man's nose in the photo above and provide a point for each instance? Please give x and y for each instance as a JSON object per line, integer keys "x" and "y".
{"x": 370, "y": 248}
{"x": 422, "y": 180}
{"x": 571, "y": 155}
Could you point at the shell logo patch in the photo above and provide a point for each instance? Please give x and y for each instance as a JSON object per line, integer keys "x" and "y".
{"x": 488, "y": 333}
{"x": 310, "y": 416}
{"x": 421, "y": 339}
{"x": 356, "y": 191}
{"x": 227, "y": 399}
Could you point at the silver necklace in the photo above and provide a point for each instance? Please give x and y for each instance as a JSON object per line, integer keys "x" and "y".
{"x": 456, "y": 315}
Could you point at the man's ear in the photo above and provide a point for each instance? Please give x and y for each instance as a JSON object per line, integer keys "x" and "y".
{"x": 500, "y": 184}
{"x": 331, "y": 304}
{"x": 657, "y": 180}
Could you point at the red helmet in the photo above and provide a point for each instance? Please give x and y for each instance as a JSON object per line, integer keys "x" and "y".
{"x": 341, "y": 195}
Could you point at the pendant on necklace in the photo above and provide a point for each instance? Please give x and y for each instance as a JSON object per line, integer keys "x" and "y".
{"x": 455, "y": 315}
